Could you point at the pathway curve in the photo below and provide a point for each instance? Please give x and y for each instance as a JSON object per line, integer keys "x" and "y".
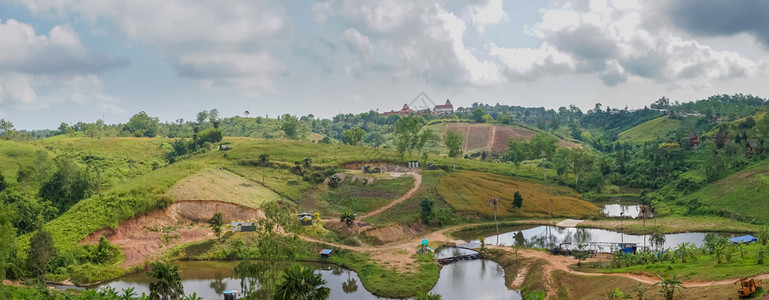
{"x": 411, "y": 192}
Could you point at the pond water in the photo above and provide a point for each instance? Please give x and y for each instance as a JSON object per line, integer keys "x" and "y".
{"x": 471, "y": 279}
{"x": 475, "y": 279}
{"x": 209, "y": 279}
{"x": 539, "y": 236}
{"x": 620, "y": 209}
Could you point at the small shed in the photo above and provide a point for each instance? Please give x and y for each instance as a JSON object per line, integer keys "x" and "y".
{"x": 745, "y": 239}
{"x": 243, "y": 226}
{"x": 628, "y": 247}
{"x": 230, "y": 295}
{"x": 305, "y": 219}
{"x": 413, "y": 164}
{"x": 325, "y": 253}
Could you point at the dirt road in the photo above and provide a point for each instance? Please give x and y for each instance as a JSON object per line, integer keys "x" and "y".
{"x": 411, "y": 192}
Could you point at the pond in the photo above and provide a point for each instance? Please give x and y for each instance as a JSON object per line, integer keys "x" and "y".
{"x": 209, "y": 279}
{"x": 539, "y": 236}
{"x": 476, "y": 279}
{"x": 629, "y": 210}
{"x": 471, "y": 279}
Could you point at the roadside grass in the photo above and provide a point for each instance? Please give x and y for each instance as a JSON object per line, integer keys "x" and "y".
{"x": 672, "y": 225}
{"x": 651, "y": 130}
{"x": 742, "y": 194}
{"x": 221, "y": 185}
{"x": 469, "y": 192}
{"x": 358, "y": 197}
{"x": 573, "y": 286}
{"x": 704, "y": 268}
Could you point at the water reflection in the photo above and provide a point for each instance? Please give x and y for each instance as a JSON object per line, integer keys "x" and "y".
{"x": 473, "y": 279}
{"x": 209, "y": 279}
{"x": 620, "y": 209}
{"x": 551, "y": 236}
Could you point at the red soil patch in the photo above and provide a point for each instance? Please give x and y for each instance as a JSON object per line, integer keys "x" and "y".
{"x": 493, "y": 138}
{"x": 145, "y": 238}
{"x": 395, "y": 232}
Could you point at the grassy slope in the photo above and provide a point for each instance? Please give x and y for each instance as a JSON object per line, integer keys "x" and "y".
{"x": 650, "y": 130}
{"x": 221, "y": 185}
{"x": 15, "y": 154}
{"x": 740, "y": 193}
{"x": 362, "y": 198}
{"x": 470, "y": 191}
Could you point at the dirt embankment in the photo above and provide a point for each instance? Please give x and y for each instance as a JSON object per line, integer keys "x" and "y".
{"x": 144, "y": 238}
{"x": 482, "y": 137}
{"x": 395, "y": 232}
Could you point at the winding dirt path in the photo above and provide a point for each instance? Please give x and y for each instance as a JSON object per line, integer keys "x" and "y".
{"x": 493, "y": 138}
{"x": 411, "y": 192}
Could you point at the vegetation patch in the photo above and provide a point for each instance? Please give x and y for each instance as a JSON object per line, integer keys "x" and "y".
{"x": 221, "y": 185}
{"x": 470, "y": 192}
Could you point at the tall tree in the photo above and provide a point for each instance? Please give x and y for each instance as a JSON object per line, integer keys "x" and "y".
{"x": 277, "y": 244}
{"x": 516, "y": 152}
{"x": 41, "y": 252}
{"x": 353, "y": 136}
{"x": 453, "y": 141}
{"x": 213, "y": 115}
{"x": 407, "y": 134}
{"x": 424, "y": 137}
{"x": 216, "y": 222}
{"x": 301, "y": 283}
{"x": 68, "y": 185}
{"x": 290, "y": 126}
{"x": 7, "y": 239}
{"x": 582, "y": 162}
{"x": 264, "y": 161}
{"x": 494, "y": 203}
{"x": 142, "y": 124}
{"x": 543, "y": 147}
{"x": 166, "y": 283}
{"x": 517, "y": 200}
{"x": 201, "y": 117}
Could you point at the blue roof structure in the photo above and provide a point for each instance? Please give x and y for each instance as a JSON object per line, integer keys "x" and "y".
{"x": 325, "y": 251}
{"x": 745, "y": 239}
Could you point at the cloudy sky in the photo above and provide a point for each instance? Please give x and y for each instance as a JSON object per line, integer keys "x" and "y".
{"x": 71, "y": 60}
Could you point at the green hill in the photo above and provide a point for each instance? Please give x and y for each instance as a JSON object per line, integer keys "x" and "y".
{"x": 651, "y": 130}
{"x": 742, "y": 195}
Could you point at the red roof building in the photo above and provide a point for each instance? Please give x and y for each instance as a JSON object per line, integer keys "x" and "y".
{"x": 445, "y": 108}
{"x": 404, "y": 111}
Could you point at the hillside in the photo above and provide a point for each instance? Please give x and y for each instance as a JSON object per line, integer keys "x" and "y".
{"x": 651, "y": 130}
{"x": 486, "y": 137}
{"x": 468, "y": 192}
{"x": 742, "y": 195}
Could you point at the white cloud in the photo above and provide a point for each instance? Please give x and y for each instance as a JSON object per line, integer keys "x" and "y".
{"x": 42, "y": 70}
{"x": 490, "y": 14}
{"x": 199, "y": 38}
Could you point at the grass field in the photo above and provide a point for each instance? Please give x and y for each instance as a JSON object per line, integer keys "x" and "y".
{"x": 743, "y": 194}
{"x": 221, "y": 185}
{"x": 357, "y": 197}
{"x": 469, "y": 192}
{"x": 648, "y": 131}
{"x": 572, "y": 286}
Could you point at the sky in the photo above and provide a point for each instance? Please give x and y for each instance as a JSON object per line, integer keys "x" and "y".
{"x": 83, "y": 60}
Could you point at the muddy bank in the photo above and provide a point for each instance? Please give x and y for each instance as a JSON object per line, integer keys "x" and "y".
{"x": 146, "y": 237}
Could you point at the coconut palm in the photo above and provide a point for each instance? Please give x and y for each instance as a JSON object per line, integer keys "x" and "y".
{"x": 347, "y": 218}
{"x": 167, "y": 284}
{"x": 264, "y": 160}
{"x": 494, "y": 203}
{"x": 300, "y": 283}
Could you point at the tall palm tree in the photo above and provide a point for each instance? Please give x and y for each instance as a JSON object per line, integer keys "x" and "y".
{"x": 300, "y": 283}
{"x": 167, "y": 284}
{"x": 264, "y": 160}
{"x": 494, "y": 203}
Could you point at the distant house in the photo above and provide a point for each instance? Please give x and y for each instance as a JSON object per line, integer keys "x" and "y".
{"x": 403, "y": 112}
{"x": 243, "y": 226}
{"x": 694, "y": 140}
{"x": 720, "y": 138}
{"x": 752, "y": 148}
{"x": 444, "y": 109}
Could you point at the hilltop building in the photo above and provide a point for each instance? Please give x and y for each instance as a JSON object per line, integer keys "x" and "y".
{"x": 444, "y": 109}
{"x": 405, "y": 111}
